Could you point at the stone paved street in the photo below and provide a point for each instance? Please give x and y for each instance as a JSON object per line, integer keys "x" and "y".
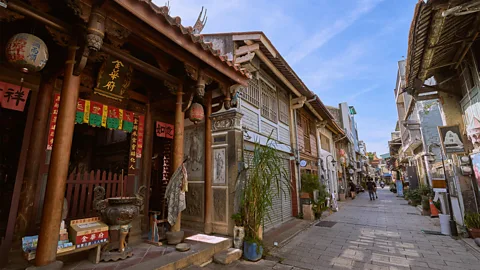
{"x": 381, "y": 234}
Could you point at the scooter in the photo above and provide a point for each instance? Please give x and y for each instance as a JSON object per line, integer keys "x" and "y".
{"x": 382, "y": 185}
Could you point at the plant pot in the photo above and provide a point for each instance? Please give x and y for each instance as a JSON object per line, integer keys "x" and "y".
{"x": 252, "y": 252}
{"x": 305, "y": 195}
{"x": 474, "y": 233}
{"x": 341, "y": 197}
{"x": 174, "y": 238}
{"x": 238, "y": 235}
{"x": 425, "y": 203}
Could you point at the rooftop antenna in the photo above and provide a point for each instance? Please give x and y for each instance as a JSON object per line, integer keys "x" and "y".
{"x": 200, "y": 23}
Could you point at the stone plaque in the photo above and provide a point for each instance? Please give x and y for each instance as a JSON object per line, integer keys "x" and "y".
{"x": 195, "y": 202}
{"x": 219, "y": 205}
{"x": 195, "y": 148}
{"x": 221, "y": 139}
{"x": 219, "y": 164}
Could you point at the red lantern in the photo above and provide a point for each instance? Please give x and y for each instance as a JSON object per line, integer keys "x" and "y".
{"x": 196, "y": 113}
{"x": 27, "y": 52}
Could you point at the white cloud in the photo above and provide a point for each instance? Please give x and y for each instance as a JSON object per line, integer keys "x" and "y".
{"x": 325, "y": 34}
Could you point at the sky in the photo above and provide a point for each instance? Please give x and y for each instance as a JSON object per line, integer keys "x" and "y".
{"x": 344, "y": 50}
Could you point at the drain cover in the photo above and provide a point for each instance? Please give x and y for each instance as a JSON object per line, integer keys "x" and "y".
{"x": 327, "y": 224}
{"x": 416, "y": 214}
{"x": 432, "y": 232}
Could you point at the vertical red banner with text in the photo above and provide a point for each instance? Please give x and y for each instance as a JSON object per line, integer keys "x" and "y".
{"x": 53, "y": 121}
{"x": 141, "y": 131}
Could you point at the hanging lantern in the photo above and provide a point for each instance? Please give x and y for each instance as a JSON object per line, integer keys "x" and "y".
{"x": 196, "y": 113}
{"x": 27, "y": 52}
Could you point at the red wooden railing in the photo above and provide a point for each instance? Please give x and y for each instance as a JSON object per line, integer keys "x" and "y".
{"x": 79, "y": 191}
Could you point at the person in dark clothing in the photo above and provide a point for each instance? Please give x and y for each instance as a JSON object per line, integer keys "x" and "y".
{"x": 371, "y": 189}
{"x": 353, "y": 189}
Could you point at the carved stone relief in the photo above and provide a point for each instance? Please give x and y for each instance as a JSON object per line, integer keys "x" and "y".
{"x": 194, "y": 147}
{"x": 226, "y": 120}
{"x": 219, "y": 164}
{"x": 195, "y": 201}
{"x": 220, "y": 205}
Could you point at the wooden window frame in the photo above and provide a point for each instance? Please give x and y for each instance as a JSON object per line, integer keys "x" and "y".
{"x": 269, "y": 102}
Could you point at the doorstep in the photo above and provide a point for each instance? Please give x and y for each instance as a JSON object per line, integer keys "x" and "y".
{"x": 146, "y": 256}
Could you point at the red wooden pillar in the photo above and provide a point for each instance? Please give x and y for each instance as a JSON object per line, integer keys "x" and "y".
{"x": 208, "y": 165}
{"x": 57, "y": 177}
{"x": 178, "y": 143}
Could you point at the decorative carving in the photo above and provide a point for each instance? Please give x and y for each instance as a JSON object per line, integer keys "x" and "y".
{"x": 194, "y": 148}
{"x": 116, "y": 33}
{"x": 220, "y": 202}
{"x": 60, "y": 38}
{"x": 79, "y": 9}
{"x": 219, "y": 166}
{"x": 200, "y": 23}
{"x": 227, "y": 120}
{"x": 195, "y": 201}
{"x": 171, "y": 87}
{"x": 191, "y": 71}
{"x": 96, "y": 29}
{"x": 7, "y": 15}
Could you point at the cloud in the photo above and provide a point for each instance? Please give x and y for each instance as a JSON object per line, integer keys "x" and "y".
{"x": 325, "y": 34}
{"x": 361, "y": 92}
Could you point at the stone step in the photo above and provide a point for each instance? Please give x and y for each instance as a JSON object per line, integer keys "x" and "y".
{"x": 227, "y": 256}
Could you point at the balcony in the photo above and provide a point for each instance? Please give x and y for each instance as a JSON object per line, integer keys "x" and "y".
{"x": 411, "y": 139}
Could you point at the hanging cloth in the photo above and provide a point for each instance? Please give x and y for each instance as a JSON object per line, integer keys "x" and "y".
{"x": 175, "y": 194}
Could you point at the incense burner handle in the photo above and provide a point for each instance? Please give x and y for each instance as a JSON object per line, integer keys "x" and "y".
{"x": 99, "y": 203}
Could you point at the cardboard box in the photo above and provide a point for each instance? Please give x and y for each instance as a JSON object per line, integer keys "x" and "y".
{"x": 88, "y": 231}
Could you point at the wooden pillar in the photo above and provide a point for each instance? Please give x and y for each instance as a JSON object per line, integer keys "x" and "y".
{"x": 57, "y": 176}
{"x": 147, "y": 157}
{"x": 36, "y": 148}
{"x": 178, "y": 143}
{"x": 208, "y": 165}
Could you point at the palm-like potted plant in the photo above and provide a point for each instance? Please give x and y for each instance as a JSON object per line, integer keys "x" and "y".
{"x": 267, "y": 178}
{"x": 472, "y": 221}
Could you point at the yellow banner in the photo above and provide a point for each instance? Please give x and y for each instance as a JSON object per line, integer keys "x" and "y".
{"x": 104, "y": 116}
{"x": 120, "y": 119}
{"x": 86, "y": 113}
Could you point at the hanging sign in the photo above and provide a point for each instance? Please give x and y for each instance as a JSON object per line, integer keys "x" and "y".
{"x": 113, "y": 118}
{"x": 13, "y": 96}
{"x": 164, "y": 130}
{"x": 133, "y": 146}
{"x": 53, "y": 121}
{"x": 451, "y": 139}
{"x": 96, "y": 110}
{"x": 113, "y": 79}
{"x": 141, "y": 128}
{"x": 127, "y": 121}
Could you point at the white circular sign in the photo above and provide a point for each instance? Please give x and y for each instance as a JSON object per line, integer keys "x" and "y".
{"x": 303, "y": 163}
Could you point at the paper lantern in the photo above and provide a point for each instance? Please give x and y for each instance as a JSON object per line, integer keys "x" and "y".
{"x": 27, "y": 52}
{"x": 196, "y": 113}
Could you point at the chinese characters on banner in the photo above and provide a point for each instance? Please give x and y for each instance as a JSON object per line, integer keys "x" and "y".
{"x": 141, "y": 125}
{"x": 13, "y": 97}
{"x": 164, "y": 130}
{"x": 53, "y": 121}
{"x": 133, "y": 146}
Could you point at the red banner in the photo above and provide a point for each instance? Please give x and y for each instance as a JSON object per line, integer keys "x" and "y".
{"x": 13, "y": 96}
{"x": 141, "y": 127}
{"x": 53, "y": 121}
{"x": 164, "y": 130}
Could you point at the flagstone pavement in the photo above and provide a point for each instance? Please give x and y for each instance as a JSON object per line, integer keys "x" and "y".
{"x": 381, "y": 234}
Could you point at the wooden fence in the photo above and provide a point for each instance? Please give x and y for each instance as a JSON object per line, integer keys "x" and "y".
{"x": 80, "y": 186}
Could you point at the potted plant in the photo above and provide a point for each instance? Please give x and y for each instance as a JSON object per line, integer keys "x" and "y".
{"x": 472, "y": 221}
{"x": 266, "y": 179}
{"x": 320, "y": 205}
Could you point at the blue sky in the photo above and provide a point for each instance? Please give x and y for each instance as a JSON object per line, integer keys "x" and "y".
{"x": 344, "y": 50}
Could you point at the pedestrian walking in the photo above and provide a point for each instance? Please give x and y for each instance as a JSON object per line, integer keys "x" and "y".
{"x": 353, "y": 189}
{"x": 371, "y": 189}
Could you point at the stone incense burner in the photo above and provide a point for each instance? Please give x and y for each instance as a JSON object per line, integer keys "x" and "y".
{"x": 117, "y": 213}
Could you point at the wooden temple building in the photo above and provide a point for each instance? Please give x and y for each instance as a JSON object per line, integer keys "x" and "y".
{"x": 119, "y": 98}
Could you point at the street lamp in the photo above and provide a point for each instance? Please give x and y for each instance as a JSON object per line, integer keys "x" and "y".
{"x": 453, "y": 224}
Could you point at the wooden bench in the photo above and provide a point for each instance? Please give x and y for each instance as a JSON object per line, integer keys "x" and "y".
{"x": 93, "y": 256}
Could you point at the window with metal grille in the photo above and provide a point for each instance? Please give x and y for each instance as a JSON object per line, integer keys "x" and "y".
{"x": 269, "y": 102}
{"x": 252, "y": 93}
{"x": 283, "y": 114}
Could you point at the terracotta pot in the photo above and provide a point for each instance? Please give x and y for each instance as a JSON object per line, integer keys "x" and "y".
{"x": 474, "y": 233}
{"x": 304, "y": 195}
{"x": 341, "y": 197}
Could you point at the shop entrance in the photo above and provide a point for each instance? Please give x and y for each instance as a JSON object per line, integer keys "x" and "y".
{"x": 12, "y": 126}
{"x": 161, "y": 172}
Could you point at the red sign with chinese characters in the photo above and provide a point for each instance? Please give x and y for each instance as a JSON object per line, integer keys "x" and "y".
{"x": 91, "y": 237}
{"x": 141, "y": 126}
{"x": 164, "y": 130}
{"x": 53, "y": 121}
{"x": 13, "y": 96}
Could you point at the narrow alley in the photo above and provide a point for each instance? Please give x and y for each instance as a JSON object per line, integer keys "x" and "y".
{"x": 381, "y": 234}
